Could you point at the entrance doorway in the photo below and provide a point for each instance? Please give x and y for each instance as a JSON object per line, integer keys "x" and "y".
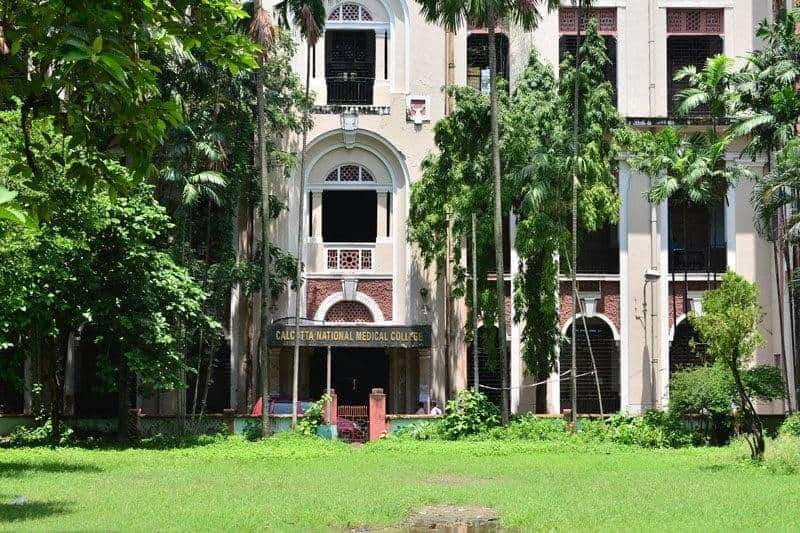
{"x": 355, "y": 372}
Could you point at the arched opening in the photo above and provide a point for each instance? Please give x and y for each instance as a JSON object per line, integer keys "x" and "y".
{"x": 355, "y": 312}
{"x": 685, "y": 351}
{"x": 607, "y": 359}
{"x": 490, "y": 373}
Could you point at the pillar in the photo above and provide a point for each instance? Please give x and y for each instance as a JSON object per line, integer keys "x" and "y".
{"x": 332, "y": 409}
{"x": 377, "y": 414}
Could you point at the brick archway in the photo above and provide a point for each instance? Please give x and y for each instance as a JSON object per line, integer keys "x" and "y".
{"x": 347, "y": 311}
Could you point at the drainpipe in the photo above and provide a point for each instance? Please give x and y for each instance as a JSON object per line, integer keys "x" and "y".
{"x": 651, "y": 50}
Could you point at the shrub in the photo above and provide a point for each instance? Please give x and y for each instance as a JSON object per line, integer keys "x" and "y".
{"x": 39, "y": 435}
{"x": 783, "y": 456}
{"x": 471, "y": 413}
{"x": 530, "y": 427}
{"x": 313, "y": 416}
{"x": 422, "y": 431}
{"x": 791, "y": 426}
{"x": 706, "y": 392}
{"x": 655, "y": 429}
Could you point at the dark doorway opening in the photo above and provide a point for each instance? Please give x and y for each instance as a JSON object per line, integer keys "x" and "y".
{"x": 684, "y": 51}
{"x": 355, "y": 372}
{"x": 606, "y": 354}
{"x": 349, "y": 216}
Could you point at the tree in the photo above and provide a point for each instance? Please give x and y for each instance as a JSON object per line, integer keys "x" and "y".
{"x": 767, "y": 114}
{"x": 490, "y": 13}
{"x": 729, "y": 327}
{"x": 264, "y": 32}
{"x": 214, "y": 238}
{"x": 97, "y": 263}
{"x": 309, "y": 17}
{"x": 87, "y": 65}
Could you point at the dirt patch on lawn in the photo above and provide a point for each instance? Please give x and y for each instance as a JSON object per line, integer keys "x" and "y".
{"x": 454, "y": 518}
{"x": 444, "y": 518}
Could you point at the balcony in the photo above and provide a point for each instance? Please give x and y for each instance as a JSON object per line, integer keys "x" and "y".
{"x": 349, "y": 257}
{"x": 697, "y": 261}
{"x": 351, "y": 90}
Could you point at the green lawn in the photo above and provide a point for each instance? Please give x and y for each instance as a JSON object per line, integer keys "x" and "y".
{"x": 290, "y": 484}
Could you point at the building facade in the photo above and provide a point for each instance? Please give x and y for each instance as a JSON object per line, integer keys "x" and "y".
{"x": 378, "y": 75}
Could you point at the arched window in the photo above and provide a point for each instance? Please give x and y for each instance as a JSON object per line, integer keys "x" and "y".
{"x": 350, "y": 13}
{"x": 349, "y": 312}
{"x": 349, "y": 174}
{"x": 685, "y": 351}
{"x": 606, "y": 355}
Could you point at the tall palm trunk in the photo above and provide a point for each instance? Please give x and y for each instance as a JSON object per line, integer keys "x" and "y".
{"x": 300, "y": 238}
{"x": 263, "y": 344}
{"x": 498, "y": 220}
{"x": 475, "y": 306}
{"x": 575, "y": 153}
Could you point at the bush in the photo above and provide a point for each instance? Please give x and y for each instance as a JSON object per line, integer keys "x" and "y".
{"x": 39, "y": 435}
{"x": 706, "y": 392}
{"x": 783, "y": 455}
{"x": 655, "y": 429}
{"x": 791, "y": 426}
{"x": 313, "y": 416}
{"x": 422, "y": 431}
{"x": 471, "y": 413}
{"x": 530, "y": 427}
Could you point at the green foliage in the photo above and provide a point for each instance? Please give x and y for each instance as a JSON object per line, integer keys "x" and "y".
{"x": 471, "y": 413}
{"x": 454, "y": 15}
{"x": 39, "y": 435}
{"x": 791, "y": 426}
{"x": 89, "y": 68}
{"x": 531, "y": 427}
{"x": 313, "y": 416}
{"x": 655, "y": 429}
{"x": 704, "y": 391}
{"x": 97, "y": 264}
{"x": 729, "y": 327}
{"x": 774, "y": 194}
{"x": 423, "y": 431}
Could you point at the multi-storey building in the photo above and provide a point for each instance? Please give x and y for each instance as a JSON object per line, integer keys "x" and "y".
{"x": 378, "y": 75}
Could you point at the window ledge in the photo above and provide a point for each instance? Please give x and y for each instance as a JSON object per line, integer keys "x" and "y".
{"x": 381, "y": 110}
{"x": 674, "y": 121}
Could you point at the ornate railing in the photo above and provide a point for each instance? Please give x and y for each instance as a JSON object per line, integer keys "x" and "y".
{"x": 350, "y": 257}
{"x": 350, "y": 91}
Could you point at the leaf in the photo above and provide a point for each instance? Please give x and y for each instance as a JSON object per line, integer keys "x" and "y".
{"x": 113, "y": 68}
{"x": 7, "y": 195}
{"x": 97, "y": 45}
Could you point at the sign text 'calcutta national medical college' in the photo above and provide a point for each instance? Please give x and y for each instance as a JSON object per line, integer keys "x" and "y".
{"x": 353, "y": 336}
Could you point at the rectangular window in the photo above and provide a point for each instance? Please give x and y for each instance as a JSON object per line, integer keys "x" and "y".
{"x": 697, "y": 240}
{"x": 478, "y": 60}
{"x": 349, "y": 216}
{"x": 350, "y": 66}
{"x": 684, "y": 51}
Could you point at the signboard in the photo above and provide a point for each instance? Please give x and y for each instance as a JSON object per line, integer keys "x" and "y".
{"x": 352, "y": 336}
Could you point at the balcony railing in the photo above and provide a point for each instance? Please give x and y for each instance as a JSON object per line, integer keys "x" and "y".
{"x": 349, "y": 257}
{"x": 350, "y": 91}
{"x": 695, "y": 261}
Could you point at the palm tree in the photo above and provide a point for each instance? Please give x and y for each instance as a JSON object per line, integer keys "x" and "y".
{"x": 309, "y": 17}
{"x": 264, "y": 32}
{"x": 490, "y": 13}
{"x": 769, "y": 109}
{"x": 711, "y": 87}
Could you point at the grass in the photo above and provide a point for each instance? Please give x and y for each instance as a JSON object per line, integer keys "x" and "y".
{"x": 292, "y": 483}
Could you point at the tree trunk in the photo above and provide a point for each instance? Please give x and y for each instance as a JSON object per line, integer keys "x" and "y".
{"x": 266, "y": 294}
{"x": 123, "y": 405}
{"x": 753, "y": 422}
{"x": 475, "y": 306}
{"x": 300, "y": 238}
{"x": 574, "y": 259}
{"x": 498, "y": 220}
{"x": 57, "y": 384}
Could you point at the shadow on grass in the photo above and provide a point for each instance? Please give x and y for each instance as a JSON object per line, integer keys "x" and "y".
{"x": 105, "y": 442}
{"x": 18, "y": 468}
{"x": 31, "y": 510}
